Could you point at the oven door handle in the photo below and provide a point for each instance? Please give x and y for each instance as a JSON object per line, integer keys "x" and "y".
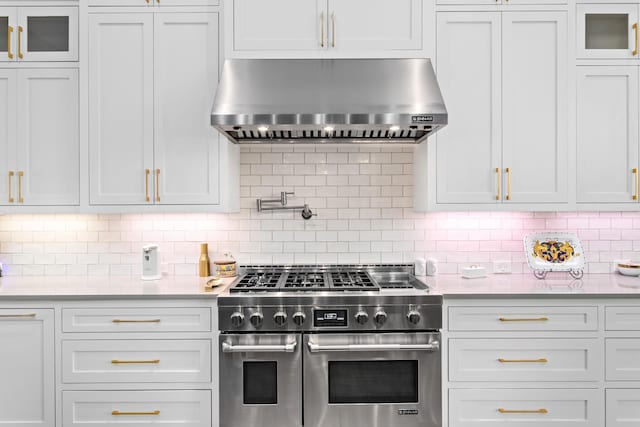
{"x": 285, "y": 348}
{"x": 316, "y": 348}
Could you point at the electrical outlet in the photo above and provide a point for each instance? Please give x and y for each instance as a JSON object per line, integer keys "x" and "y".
{"x": 501, "y": 267}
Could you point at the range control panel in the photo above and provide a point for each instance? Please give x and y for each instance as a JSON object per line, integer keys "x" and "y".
{"x": 331, "y": 318}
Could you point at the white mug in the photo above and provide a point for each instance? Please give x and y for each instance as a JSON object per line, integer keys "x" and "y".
{"x": 432, "y": 266}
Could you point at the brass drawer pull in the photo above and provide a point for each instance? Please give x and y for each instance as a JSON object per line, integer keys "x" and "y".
{"x": 135, "y": 362}
{"x": 156, "y": 412}
{"x": 20, "y": 30}
{"x": 333, "y": 29}
{"x": 499, "y": 179}
{"x": 20, "y": 176}
{"x": 635, "y": 175}
{"x": 321, "y": 29}
{"x": 18, "y": 316}
{"x": 523, "y": 411}
{"x": 508, "y": 171}
{"x": 9, "y": 32}
{"x": 541, "y": 360}
{"x": 11, "y": 199}
{"x": 157, "y": 185}
{"x": 524, "y": 319}
{"x": 146, "y": 185}
{"x": 135, "y": 321}
{"x": 635, "y": 29}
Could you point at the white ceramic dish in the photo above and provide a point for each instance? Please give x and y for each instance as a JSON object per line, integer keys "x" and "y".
{"x": 629, "y": 269}
{"x": 551, "y": 251}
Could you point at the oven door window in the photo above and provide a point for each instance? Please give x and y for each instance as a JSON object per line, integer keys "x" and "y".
{"x": 260, "y": 383}
{"x": 356, "y": 382}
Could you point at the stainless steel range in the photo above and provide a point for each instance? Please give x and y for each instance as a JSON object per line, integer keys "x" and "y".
{"x": 329, "y": 346}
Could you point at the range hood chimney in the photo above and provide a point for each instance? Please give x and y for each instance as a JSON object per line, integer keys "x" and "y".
{"x": 328, "y": 101}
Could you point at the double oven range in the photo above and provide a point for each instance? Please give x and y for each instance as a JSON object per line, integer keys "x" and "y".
{"x": 329, "y": 346}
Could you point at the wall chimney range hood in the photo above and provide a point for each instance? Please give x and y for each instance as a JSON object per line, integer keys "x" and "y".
{"x": 328, "y": 101}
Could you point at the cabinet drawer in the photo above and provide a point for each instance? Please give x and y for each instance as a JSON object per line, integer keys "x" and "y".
{"x": 186, "y": 408}
{"x": 136, "y": 361}
{"x": 622, "y": 318}
{"x": 523, "y": 318}
{"x": 623, "y": 359}
{"x": 524, "y": 359}
{"x": 519, "y": 408}
{"x": 623, "y": 407}
{"x": 136, "y": 319}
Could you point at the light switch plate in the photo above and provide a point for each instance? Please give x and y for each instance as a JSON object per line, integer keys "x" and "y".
{"x": 501, "y": 267}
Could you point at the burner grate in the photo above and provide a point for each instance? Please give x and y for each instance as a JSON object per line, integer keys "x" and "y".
{"x": 352, "y": 281}
{"x": 261, "y": 281}
{"x": 301, "y": 281}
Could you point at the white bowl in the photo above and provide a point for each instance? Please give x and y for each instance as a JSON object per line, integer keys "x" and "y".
{"x": 629, "y": 269}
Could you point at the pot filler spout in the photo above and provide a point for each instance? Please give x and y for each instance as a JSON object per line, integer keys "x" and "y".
{"x": 262, "y": 101}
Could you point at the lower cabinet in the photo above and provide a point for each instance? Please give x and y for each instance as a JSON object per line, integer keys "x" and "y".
{"x": 623, "y": 407}
{"x": 518, "y": 408}
{"x": 186, "y": 408}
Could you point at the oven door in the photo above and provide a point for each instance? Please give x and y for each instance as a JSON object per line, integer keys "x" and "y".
{"x": 260, "y": 380}
{"x": 372, "y": 380}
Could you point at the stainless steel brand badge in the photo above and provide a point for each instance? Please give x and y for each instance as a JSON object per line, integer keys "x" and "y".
{"x": 421, "y": 119}
{"x": 407, "y": 412}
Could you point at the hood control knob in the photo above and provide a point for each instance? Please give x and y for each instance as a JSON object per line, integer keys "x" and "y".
{"x": 413, "y": 317}
{"x": 362, "y": 317}
{"x": 256, "y": 319}
{"x": 299, "y": 318}
{"x": 237, "y": 319}
{"x": 280, "y": 318}
{"x": 380, "y": 317}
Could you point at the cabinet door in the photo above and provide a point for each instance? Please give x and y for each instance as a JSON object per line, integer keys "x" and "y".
{"x": 278, "y": 25}
{"x": 607, "y": 31}
{"x": 121, "y": 108}
{"x": 607, "y": 139}
{"x": 8, "y": 133}
{"x": 357, "y": 25}
{"x": 468, "y": 68}
{"x": 534, "y": 109}
{"x": 27, "y": 393}
{"x": 186, "y": 77}
{"x": 48, "y": 137}
{"x": 48, "y": 34}
{"x": 8, "y": 33}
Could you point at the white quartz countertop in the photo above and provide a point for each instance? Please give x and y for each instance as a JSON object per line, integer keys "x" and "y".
{"x": 451, "y": 286}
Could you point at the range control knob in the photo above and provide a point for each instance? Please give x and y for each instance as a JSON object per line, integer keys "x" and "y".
{"x": 413, "y": 317}
{"x": 362, "y": 317}
{"x": 280, "y": 318}
{"x": 380, "y": 318}
{"x": 299, "y": 318}
{"x": 237, "y": 319}
{"x": 256, "y": 319}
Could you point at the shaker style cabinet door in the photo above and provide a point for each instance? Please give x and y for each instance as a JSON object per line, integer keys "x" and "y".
{"x": 8, "y": 134}
{"x": 185, "y": 79}
{"x": 607, "y": 138}
{"x": 279, "y": 25}
{"x": 8, "y": 34}
{"x": 469, "y": 147}
{"x": 535, "y": 106}
{"x": 607, "y": 31}
{"x": 47, "y": 34}
{"x": 121, "y": 108}
{"x": 27, "y": 392}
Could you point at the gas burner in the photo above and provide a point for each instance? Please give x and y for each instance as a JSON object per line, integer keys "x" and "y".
{"x": 303, "y": 281}
{"x": 352, "y": 281}
{"x": 258, "y": 281}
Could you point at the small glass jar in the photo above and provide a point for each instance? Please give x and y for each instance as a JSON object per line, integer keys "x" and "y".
{"x": 225, "y": 266}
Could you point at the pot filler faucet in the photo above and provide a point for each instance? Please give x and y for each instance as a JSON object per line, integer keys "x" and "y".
{"x": 282, "y": 205}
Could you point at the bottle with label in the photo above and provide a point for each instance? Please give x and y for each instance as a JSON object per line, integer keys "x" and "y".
{"x": 203, "y": 264}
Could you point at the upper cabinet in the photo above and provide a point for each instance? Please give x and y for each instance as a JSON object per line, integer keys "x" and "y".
{"x": 38, "y": 34}
{"x": 153, "y": 3}
{"x": 607, "y": 31}
{"x": 324, "y": 28}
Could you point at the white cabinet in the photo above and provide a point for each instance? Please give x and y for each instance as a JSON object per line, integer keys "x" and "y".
{"x": 623, "y": 407}
{"x": 607, "y": 31}
{"x": 40, "y": 143}
{"x": 27, "y": 392}
{"x": 149, "y": 104}
{"x": 607, "y": 138}
{"x": 326, "y": 27}
{"x": 504, "y": 76}
{"x": 38, "y": 34}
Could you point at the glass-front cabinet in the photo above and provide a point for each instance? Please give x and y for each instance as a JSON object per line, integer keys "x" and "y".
{"x": 38, "y": 34}
{"x": 608, "y": 31}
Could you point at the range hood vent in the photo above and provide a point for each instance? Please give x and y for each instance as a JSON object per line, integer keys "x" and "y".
{"x": 328, "y": 101}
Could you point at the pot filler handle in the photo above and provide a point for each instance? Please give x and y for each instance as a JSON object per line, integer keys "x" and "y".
{"x": 285, "y": 348}
{"x": 316, "y": 348}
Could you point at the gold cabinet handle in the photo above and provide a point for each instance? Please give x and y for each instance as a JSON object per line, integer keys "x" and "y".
{"x": 135, "y": 362}
{"x": 635, "y": 29}
{"x": 18, "y": 316}
{"x": 20, "y": 175}
{"x": 333, "y": 29}
{"x": 20, "y": 30}
{"x": 499, "y": 179}
{"x": 541, "y": 360}
{"x": 635, "y": 174}
{"x": 157, "y": 185}
{"x": 11, "y": 200}
{"x": 156, "y": 412}
{"x": 508, "y": 171}
{"x": 146, "y": 185}
{"x": 523, "y": 411}
{"x": 524, "y": 319}
{"x": 135, "y": 321}
{"x": 9, "y": 32}
{"x": 321, "y": 29}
